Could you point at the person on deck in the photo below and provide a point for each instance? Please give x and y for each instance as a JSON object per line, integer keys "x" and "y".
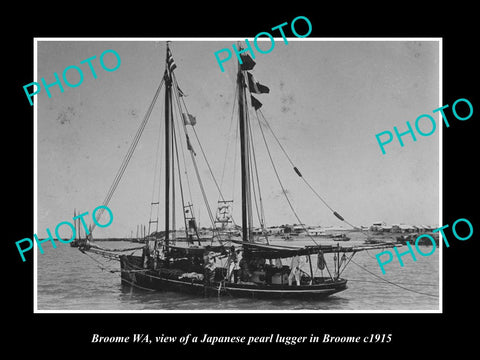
{"x": 231, "y": 262}
{"x": 145, "y": 255}
{"x": 234, "y": 265}
{"x": 294, "y": 271}
{"x": 209, "y": 270}
{"x": 272, "y": 269}
{"x": 236, "y": 269}
{"x": 244, "y": 271}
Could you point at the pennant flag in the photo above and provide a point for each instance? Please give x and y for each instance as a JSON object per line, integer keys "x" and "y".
{"x": 189, "y": 146}
{"x": 170, "y": 62}
{"x": 247, "y": 62}
{"x": 189, "y": 119}
{"x": 255, "y": 87}
{"x": 255, "y": 103}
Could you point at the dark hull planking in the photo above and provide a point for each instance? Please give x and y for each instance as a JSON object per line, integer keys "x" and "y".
{"x": 167, "y": 280}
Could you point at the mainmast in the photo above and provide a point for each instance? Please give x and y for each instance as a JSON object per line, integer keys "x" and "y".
{"x": 244, "y": 152}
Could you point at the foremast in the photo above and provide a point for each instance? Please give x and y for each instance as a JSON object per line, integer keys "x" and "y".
{"x": 168, "y": 136}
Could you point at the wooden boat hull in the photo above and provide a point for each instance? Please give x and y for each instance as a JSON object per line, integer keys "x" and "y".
{"x": 168, "y": 280}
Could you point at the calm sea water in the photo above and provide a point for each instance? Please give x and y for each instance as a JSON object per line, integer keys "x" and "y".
{"x": 70, "y": 280}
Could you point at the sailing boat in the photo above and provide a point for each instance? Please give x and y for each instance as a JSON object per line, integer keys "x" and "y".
{"x": 239, "y": 267}
{"x": 78, "y": 235}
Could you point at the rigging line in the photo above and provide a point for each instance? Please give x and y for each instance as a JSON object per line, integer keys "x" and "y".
{"x": 179, "y": 108}
{"x": 261, "y": 216}
{"x": 180, "y": 183}
{"x": 133, "y": 145}
{"x": 210, "y": 170}
{"x": 208, "y": 164}
{"x": 118, "y": 178}
{"x": 291, "y": 162}
{"x": 248, "y": 191}
{"x": 382, "y": 282}
{"x": 235, "y": 159}
{"x": 202, "y": 189}
{"x": 348, "y": 262}
{"x": 281, "y": 185}
{"x": 158, "y": 159}
{"x": 100, "y": 265}
{"x": 205, "y": 199}
{"x": 162, "y": 164}
{"x": 235, "y": 154}
{"x": 262, "y": 210}
{"x": 185, "y": 167}
{"x": 372, "y": 257}
{"x": 392, "y": 283}
{"x": 128, "y": 156}
{"x": 229, "y": 139}
{"x": 298, "y": 173}
{"x": 195, "y": 164}
{"x": 253, "y": 168}
{"x": 201, "y": 149}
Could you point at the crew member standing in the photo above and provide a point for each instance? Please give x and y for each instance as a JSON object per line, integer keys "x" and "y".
{"x": 294, "y": 270}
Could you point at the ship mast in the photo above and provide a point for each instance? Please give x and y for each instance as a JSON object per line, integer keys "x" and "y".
{"x": 244, "y": 152}
{"x": 168, "y": 120}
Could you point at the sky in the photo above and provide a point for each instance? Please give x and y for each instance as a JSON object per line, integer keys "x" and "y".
{"x": 327, "y": 101}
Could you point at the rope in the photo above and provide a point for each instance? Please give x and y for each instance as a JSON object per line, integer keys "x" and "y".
{"x": 380, "y": 282}
{"x": 235, "y": 156}
{"x": 285, "y": 193}
{"x": 392, "y": 283}
{"x": 256, "y": 181}
{"x": 180, "y": 182}
{"x": 95, "y": 246}
{"x": 100, "y": 265}
{"x": 229, "y": 139}
{"x": 197, "y": 173}
{"x": 128, "y": 155}
{"x": 202, "y": 151}
{"x": 207, "y": 205}
{"x": 179, "y": 108}
{"x": 301, "y": 176}
{"x": 281, "y": 185}
{"x": 157, "y": 184}
{"x": 346, "y": 263}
